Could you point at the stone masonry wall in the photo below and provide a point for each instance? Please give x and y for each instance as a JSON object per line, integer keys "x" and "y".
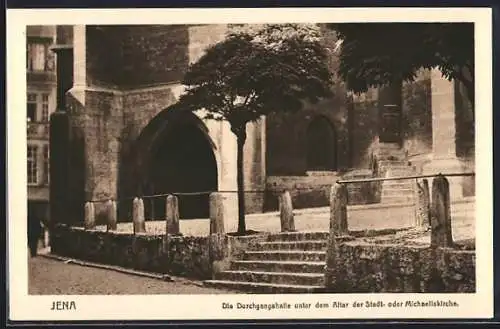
{"x": 187, "y": 256}
{"x": 286, "y": 138}
{"x": 396, "y": 268}
{"x": 142, "y": 55}
{"x": 306, "y": 191}
{"x": 177, "y": 255}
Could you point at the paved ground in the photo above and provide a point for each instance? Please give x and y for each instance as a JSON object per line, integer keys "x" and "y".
{"x": 53, "y": 277}
{"x": 48, "y": 276}
{"x": 317, "y": 219}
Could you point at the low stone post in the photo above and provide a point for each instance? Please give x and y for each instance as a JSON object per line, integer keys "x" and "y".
{"x": 331, "y": 278}
{"x": 216, "y": 213}
{"x": 172, "y": 215}
{"x": 286, "y": 212}
{"x": 112, "y": 214}
{"x": 218, "y": 240}
{"x": 338, "y": 210}
{"x": 422, "y": 218}
{"x": 441, "y": 213}
{"x": 138, "y": 216}
{"x": 89, "y": 215}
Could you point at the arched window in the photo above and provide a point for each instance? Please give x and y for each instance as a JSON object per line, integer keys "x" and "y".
{"x": 321, "y": 145}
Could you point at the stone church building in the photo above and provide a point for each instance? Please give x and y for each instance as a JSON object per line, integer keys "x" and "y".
{"x": 113, "y": 137}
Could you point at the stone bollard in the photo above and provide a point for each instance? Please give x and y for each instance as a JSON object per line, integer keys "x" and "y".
{"x": 423, "y": 205}
{"x": 112, "y": 213}
{"x": 218, "y": 240}
{"x": 338, "y": 210}
{"x": 286, "y": 212}
{"x": 331, "y": 278}
{"x": 216, "y": 213}
{"x": 172, "y": 215}
{"x": 138, "y": 216}
{"x": 89, "y": 215}
{"x": 441, "y": 213}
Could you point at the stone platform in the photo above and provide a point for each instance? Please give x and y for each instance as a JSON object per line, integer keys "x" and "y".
{"x": 362, "y": 217}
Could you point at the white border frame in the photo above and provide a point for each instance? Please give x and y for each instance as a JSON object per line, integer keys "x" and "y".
{"x": 205, "y": 307}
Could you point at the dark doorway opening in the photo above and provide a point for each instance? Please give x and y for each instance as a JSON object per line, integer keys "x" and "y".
{"x": 182, "y": 161}
{"x": 321, "y": 145}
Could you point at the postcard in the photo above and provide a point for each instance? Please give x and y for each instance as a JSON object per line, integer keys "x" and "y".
{"x": 201, "y": 164}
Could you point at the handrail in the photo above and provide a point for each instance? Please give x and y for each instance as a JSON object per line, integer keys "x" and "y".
{"x": 379, "y": 179}
{"x": 365, "y": 180}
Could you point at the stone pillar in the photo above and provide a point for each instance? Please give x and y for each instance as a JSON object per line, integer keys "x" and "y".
{"x": 254, "y": 165}
{"x": 112, "y": 213}
{"x": 172, "y": 215}
{"x": 217, "y": 213}
{"x": 227, "y": 177}
{"x": 89, "y": 215}
{"x": 441, "y": 234}
{"x": 286, "y": 212}
{"x": 96, "y": 115}
{"x": 338, "y": 227}
{"x": 138, "y": 216}
{"x": 338, "y": 210}
{"x": 422, "y": 219}
{"x": 444, "y": 158}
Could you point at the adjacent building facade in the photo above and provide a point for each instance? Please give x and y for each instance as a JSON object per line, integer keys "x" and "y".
{"x": 118, "y": 139}
{"x": 40, "y": 103}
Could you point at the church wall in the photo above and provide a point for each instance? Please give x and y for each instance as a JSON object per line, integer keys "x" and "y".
{"x": 129, "y": 57}
{"x": 125, "y": 89}
{"x": 363, "y": 118}
{"x": 133, "y": 73}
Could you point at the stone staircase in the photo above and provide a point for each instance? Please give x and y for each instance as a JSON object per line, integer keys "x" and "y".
{"x": 397, "y": 191}
{"x": 393, "y": 163}
{"x": 284, "y": 263}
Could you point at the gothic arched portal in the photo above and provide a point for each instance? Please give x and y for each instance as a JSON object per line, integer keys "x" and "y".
{"x": 181, "y": 160}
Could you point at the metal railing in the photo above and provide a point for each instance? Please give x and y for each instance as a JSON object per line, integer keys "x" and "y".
{"x": 380, "y": 179}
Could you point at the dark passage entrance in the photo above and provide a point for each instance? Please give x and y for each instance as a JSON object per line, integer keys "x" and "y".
{"x": 183, "y": 161}
{"x": 321, "y": 145}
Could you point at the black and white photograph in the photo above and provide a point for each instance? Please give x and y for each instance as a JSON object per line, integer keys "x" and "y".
{"x": 272, "y": 168}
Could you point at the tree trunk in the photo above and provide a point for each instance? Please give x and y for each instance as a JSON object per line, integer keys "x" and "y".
{"x": 241, "y": 138}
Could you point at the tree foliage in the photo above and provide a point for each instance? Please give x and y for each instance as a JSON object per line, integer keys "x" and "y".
{"x": 257, "y": 71}
{"x": 376, "y": 54}
{"x": 254, "y": 71}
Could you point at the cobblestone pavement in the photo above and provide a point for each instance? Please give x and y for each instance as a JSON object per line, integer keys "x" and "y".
{"x": 54, "y": 277}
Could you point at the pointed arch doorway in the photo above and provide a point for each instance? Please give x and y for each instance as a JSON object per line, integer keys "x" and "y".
{"x": 182, "y": 162}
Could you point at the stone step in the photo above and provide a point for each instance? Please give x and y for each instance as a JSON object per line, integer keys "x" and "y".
{"x": 278, "y": 266}
{"x": 289, "y": 255}
{"x": 398, "y": 167}
{"x": 261, "y": 287}
{"x": 298, "y": 236}
{"x": 406, "y": 183}
{"x": 399, "y": 172}
{"x": 396, "y": 191}
{"x": 389, "y": 163}
{"x": 289, "y": 245}
{"x": 397, "y": 199}
{"x": 302, "y": 279}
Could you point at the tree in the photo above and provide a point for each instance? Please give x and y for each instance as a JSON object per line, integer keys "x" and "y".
{"x": 378, "y": 54}
{"x": 254, "y": 71}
